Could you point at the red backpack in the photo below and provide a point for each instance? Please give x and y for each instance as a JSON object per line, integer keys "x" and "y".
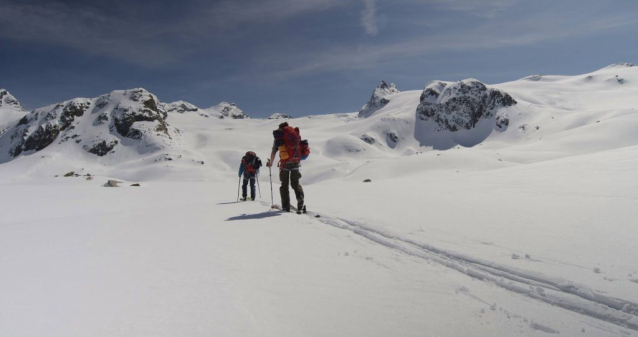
{"x": 251, "y": 162}
{"x": 288, "y": 142}
{"x": 305, "y": 149}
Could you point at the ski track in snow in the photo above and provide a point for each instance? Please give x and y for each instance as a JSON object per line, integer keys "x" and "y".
{"x": 554, "y": 291}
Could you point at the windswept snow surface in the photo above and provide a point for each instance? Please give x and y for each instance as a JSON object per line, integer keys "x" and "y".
{"x": 530, "y": 232}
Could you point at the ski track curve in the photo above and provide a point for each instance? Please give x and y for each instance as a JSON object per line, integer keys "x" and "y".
{"x": 551, "y": 290}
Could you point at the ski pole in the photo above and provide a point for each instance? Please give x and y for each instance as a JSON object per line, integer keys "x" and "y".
{"x": 258, "y": 187}
{"x": 272, "y": 199}
{"x": 238, "y": 184}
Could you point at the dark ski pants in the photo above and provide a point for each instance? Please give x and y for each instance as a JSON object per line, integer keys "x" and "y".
{"x": 290, "y": 174}
{"x": 244, "y": 187}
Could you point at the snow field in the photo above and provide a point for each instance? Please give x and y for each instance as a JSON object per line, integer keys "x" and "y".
{"x": 530, "y": 232}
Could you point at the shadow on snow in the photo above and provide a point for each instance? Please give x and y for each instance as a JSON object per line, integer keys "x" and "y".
{"x": 254, "y": 216}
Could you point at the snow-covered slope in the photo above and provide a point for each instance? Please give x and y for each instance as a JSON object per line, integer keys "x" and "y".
{"x": 483, "y": 230}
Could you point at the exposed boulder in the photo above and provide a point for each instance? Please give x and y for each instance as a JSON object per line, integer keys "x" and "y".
{"x": 112, "y": 183}
{"x": 368, "y": 139}
{"x": 461, "y": 105}
{"x": 379, "y": 99}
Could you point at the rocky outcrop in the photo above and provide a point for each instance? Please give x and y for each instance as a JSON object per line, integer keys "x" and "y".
{"x": 7, "y": 101}
{"x": 41, "y": 127}
{"x": 101, "y": 148}
{"x": 178, "y": 107}
{"x": 379, "y": 99}
{"x": 131, "y": 118}
{"x": 226, "y": 110}
{"x": 461, "y": 105}
{"x": 127, "y": 115}
{"x": 279, "y": 115}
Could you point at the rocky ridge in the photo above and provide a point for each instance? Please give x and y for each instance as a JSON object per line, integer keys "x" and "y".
{"x": 7, "y": 101}
{"x": 97, "y": 125}
{"x": 379, "y": 99}
{"x": 279, "y": 115}
{"x": 454, "y": 106}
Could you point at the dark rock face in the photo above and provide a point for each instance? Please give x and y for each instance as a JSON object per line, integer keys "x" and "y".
{"x": 127, "y": 117}
{"x": 101, "y": 119}
{"x": 461, "y": 105}
{"x": 37, "y": 140}
{"x": 71, "y": 111}
{"x": 102, "y": 148}
{"x": 379, "y": 99}
{"x": 41, "y": 138}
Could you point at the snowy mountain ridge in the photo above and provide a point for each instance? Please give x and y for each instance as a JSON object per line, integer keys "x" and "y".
{"x": 7, "y": 101}
{"x": 441, "y": 116}
{"x": 221, "y": 110}
{"x": 120, "y": 119}
{"x": 379, "y": 99}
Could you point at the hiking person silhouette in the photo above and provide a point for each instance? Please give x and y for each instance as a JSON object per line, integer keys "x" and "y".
{"x": 249, "y": 167}
{"x": 291, "y": 151}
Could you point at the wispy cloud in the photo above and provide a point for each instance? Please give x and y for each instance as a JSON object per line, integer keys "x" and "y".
{"x": 233, "y": 12}
{"x": 86, "y": 29}
{"x": 491, "y": 36}
{"x": 487, "y": 8}
{"x": 128, "y": 34}
{"x": 369, "y": 17}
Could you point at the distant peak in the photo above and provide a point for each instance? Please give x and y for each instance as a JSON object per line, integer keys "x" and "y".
{"x": 279, "y": 115}
{"x": 379, "y": 98}
{"x": 387, "y": 87}
{"x": 620, "y": 65}
{"x": 534, "y": 78}
{"x": 8, "y": 101}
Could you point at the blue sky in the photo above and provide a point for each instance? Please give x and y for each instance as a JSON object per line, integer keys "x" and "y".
{"x": 298, "y": 57}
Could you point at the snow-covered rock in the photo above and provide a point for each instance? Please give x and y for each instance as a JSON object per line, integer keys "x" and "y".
{"x": 10, "y": 110}
{"x": 461, "y": 105}
{"x": 178, "y": 107}
{"x": 226, "y": 110}
{"x": 128, "y": 118}
{"x": 221, "y": 110}
{"x": 620, "y": 65}
{"x": 7, "y": 101}
{"x": 379, "y": 99}
{"x": 279, "y": 115}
